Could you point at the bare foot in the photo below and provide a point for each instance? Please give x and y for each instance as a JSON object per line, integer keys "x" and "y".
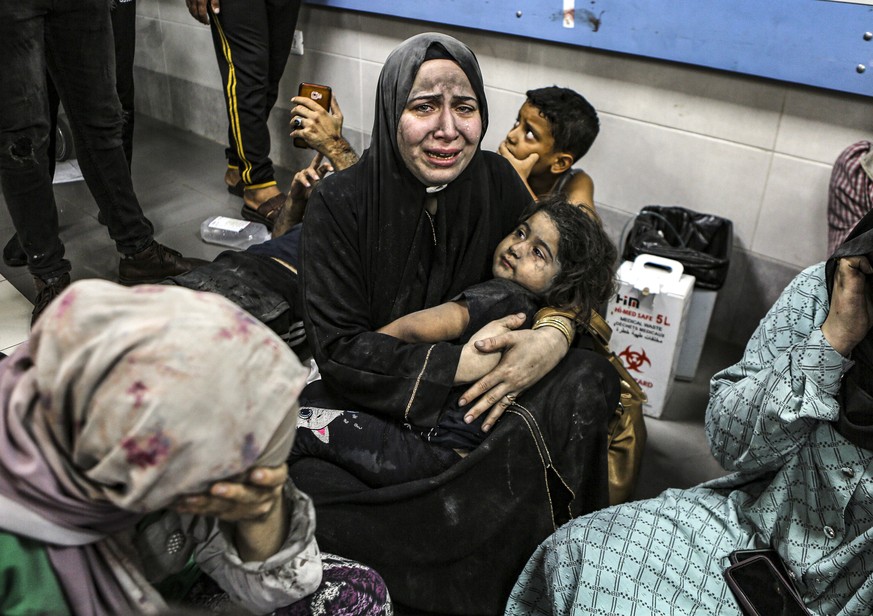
{"x": 263, "y": 205}
{"x": 254, "y": 198}
{"x": 232, "y": 177}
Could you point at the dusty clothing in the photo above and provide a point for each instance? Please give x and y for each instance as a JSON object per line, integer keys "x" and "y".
{"x": 487, "y": 301}
{"x": 370, "y": 255}
{"x": 259, "y": 284}
{"x": 564, "y": 179}
{"x": 112, "y": 410}
{"x": 347, "y": 588}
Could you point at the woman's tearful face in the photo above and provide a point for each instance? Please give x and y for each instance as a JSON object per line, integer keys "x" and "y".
{"x": 440, "y": 127}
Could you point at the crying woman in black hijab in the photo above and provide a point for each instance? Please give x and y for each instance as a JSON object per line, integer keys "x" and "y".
{"x": 414, "y": 224}
{"x": 410, "y": 226}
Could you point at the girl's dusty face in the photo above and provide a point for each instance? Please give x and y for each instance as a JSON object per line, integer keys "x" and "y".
{"x": 529, "y": 255}
{"x": 441, "y": 126}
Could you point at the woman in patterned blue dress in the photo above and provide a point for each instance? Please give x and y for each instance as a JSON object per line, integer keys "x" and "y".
{"x": 794, "y": 421}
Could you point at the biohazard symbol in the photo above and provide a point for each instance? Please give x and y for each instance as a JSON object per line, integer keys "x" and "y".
{"x": 634, "y": 360}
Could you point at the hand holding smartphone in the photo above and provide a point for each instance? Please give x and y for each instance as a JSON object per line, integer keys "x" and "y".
{"x": 315, "y": 92}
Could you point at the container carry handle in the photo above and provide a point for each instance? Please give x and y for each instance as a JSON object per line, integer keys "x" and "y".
{"x": 650, "y": 273}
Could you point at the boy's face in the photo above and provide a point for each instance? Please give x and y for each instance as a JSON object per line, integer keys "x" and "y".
{"x": 529, "y": 255}
{"x": 532, "y": 134}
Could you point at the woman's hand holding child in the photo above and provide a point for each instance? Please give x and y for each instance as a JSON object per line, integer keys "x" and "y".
{"x": 475, "y": 363}
{"x": 526, "y": 357}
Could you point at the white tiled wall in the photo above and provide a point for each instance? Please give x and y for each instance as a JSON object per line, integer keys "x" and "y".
{"x": 755, "y": 151}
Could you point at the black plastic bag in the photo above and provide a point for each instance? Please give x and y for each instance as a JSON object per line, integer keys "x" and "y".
{"x": 702, "y": 243}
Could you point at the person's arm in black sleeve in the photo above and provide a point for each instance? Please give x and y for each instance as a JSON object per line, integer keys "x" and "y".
{"x": 387, "y": 375}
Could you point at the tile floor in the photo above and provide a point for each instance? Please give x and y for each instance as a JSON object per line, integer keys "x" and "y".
{"x": 178, "y": 179}
{"x": 14, "y": 316}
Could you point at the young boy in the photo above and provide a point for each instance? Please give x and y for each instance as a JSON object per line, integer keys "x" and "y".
{"x": 555, "y": 128}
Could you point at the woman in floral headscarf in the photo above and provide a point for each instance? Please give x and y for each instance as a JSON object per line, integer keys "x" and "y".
{"x": 127, "y": 402}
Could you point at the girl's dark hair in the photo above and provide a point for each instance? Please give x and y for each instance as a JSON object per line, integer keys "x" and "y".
{"x": 586, "y": 254}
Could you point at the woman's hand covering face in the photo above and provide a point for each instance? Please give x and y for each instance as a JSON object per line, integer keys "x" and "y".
{"x": 251, "y": 498}
{"x": 254, "y": 505}
{"x": 851, "y": 313}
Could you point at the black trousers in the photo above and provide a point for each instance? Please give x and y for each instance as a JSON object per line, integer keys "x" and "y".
{"x": 376, "y": 450}
{"x": 252, "y": 41}
{"x": 74, "y": 41}
{"x": 124, "y": 32}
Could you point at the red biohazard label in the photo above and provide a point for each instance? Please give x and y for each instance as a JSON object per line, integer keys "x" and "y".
{"x": 634, "y": 360}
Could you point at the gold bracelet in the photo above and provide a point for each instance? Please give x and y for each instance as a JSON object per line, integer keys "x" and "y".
{"x": 568, "y": 331}
{"x": 571, "y": 315}
{"x": 558, "y": 324}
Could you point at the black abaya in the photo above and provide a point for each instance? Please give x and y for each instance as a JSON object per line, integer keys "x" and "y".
{"x": 453, "y": 543}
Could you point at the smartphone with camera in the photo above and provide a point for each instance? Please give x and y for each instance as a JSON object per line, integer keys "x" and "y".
{"x": 318, "y": 93}
{"x": 761, "y": 590}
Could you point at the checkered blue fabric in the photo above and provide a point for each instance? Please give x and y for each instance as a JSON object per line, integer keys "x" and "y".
{"x": 799, "y": 487}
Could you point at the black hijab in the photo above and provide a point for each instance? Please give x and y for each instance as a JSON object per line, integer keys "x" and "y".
{"x": 400, "y": 236}
{"x": 371, "y": 252}
{"x": 395, "y": 83}
{"x": 856, "y": 392}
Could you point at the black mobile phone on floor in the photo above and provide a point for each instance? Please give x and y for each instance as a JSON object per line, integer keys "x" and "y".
{"x": 738, "y": 556}
{"x": 761, "y": 590}
{"x": 772, "y": 555}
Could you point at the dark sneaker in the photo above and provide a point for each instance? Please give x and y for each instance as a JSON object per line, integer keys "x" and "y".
{"x": 154, "y": 264}
{"x": 46, "y": 290}
{"x": 13, "y": 253}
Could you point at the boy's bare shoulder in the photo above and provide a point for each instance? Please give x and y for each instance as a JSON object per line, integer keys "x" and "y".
{"x": 579, "y": 189}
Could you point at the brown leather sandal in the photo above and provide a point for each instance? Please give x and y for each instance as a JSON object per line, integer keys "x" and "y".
{"x": 266, "y": 212}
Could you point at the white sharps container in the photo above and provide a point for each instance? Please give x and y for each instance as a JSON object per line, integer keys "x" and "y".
{"x": 648, "y": 317}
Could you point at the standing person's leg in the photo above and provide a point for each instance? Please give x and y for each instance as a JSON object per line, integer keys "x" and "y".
{"x": 85, "y": 77}
{"x": 240, "y": 34}
{"x": 124, "y": 33}
{"x": 54, "y": 105}
{"x": 13, "y": 253}
{"x": 281, "y": 21}
{"x": 24, "y": 136}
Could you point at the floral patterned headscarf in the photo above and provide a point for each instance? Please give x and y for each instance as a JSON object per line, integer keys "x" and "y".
{"x": 126, "y": 398}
